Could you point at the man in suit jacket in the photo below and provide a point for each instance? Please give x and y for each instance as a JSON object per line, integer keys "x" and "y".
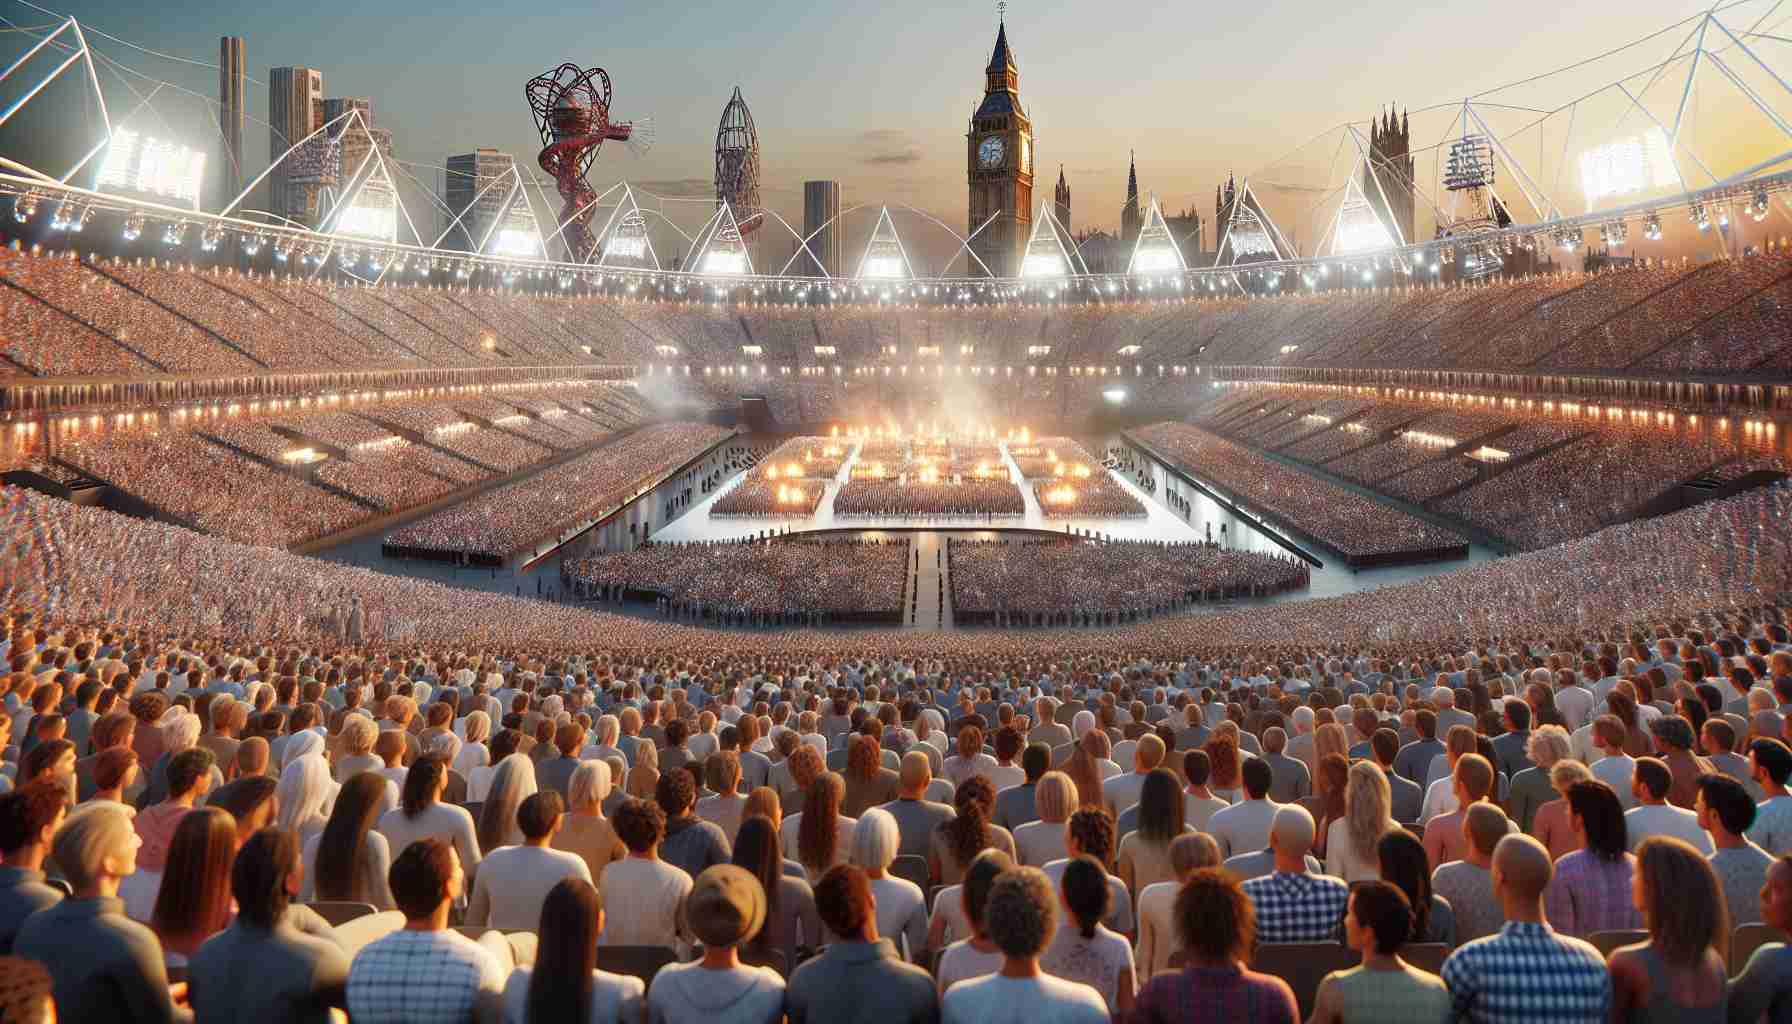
{"x": 1300, "y": 745}
{"x": 1408, "y": 797}
{"x": 1289, "y": 778}
{"x": 1509, "y": 747}
{"x": 1415, "y": 758}
{"x": 1448, "y": 714}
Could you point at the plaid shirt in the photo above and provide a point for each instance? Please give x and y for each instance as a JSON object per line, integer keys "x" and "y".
{"x": 1298, "y": 907}
{"x": 1528, "y": 974}
{"x": 422, "y": 978}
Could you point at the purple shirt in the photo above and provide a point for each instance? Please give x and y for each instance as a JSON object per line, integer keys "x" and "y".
{"x": 1590, "y": 895}
{"x": 1208, "y": 995}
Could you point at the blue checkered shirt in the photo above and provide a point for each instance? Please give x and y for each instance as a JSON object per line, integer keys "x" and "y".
{"x": 408, "y": 977}
{"x": 1298, "y": 907}
{"x": 1527, "y": 974}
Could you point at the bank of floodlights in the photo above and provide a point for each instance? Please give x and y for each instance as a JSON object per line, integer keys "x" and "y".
{"x": 24, "y": 207}
{"x": 1701, "y": 217}
{"x": 1759, "y": 206}
{"x": 174, "y": 234}
{"x": 1470, "y": 164}
{"x": 1652, "y": 226}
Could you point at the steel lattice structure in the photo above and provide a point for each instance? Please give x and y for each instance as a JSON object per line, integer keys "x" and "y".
{"x": 737, "y": 163}
{"x": 571, "y": 106}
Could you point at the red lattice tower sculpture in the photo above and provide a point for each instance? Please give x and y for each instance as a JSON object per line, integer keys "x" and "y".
{"x": 572, "y": 112}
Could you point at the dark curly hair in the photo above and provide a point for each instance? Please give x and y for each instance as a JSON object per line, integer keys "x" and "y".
{"x": 1215, "y": 918}
{"x": 640, "y": 825}
{"x": 1093, "y": 831}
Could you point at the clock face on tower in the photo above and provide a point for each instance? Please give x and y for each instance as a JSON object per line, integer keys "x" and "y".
{"x": 990, "y": 153}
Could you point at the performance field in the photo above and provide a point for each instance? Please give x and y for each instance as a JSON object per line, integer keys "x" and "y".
{"x": 442, "y": 584}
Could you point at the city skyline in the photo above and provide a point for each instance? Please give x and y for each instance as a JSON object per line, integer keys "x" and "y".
{"x": 882, "y": 143}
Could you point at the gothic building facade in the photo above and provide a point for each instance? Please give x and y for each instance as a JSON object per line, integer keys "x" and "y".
{"x": 999, "y": 166}
{"x": 1387, "y": 181}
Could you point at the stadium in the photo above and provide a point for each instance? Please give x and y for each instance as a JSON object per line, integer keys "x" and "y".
{"x": 551, "y": 596}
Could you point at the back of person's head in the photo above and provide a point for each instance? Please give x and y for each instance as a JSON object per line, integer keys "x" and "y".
{"x": 640, "y": 825}
{"x": 875, "y": 839}
{"x": 1683, "y": 901}
{"x": 1292, "y": 830}
{"x": 589, "y": 785}
{"x": 421, "y": 877}
{"x": 1485, "y": 824}
{"x": 1035, "y": 761}
{"x": 561, "y": 981}
{"x": 421, "y": 783}
{"x": 1383, "y": 909}
{"x": 917, "y": 771}
{"x": 258, "y": 878}
{"x": 194, "y": 898}
{"x": 26, "y": 812}
{"x": 1404, "y": 863}
{"x": 187, "y": 768}
{"x": 978, "y": 879}
{"x": 1601, "y": 815}
{"x": 1653, "y": 776}
{"x": 1724, "y": 799}
{"x": 568, "y": 738}
{"x": 1385, "y": 744}
{"x": 1086, "y": 894}
{"x": 1257, "y": 777}
{"x": 1474, "y": 774}
{"x": 843, "y": 900}
{"x": 1425, "y": 721}
{"x": 676, "y": 793}
{"x": 1093, "y": 833}
{"x": 539, "y": 814}
{"x": 1196, "y": 767}
{"x": 1215, "y": 918}
{"x": 1021, "y": 913}
{"x": 1193, "y": 850}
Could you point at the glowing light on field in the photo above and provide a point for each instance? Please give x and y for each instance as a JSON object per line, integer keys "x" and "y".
{"x": 1628, "y": 165}
{"x": 1060, "y": 496}
{"x": 517, "y": 242}
{"x": 884, "y": 268}
{"x": 719, "y": 262}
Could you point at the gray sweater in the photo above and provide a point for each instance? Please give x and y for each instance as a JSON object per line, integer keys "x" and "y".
{"x": 834, "y": 987}
{"x": 297, "y": 977}
{"x": 103, "y": 965}
{"x": 22, "y": 893}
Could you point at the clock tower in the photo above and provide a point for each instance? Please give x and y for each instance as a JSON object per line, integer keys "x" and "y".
{"x": 999, "y": 159}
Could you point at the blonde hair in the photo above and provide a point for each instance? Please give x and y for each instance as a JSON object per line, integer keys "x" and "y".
{"x": 1368, "y": 800}
{"x": 92, "y": 832}
{"x": 589, "y": 785}
{"x": 1567, "y": 772}
{"x": 358, "y": 734}
{"x": 1054, "y": 796}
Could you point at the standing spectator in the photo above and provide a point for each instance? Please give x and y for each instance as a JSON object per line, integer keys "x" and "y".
{"x": 349, "y": 859}
{"x": 901, "y": 906}
{"x": 1726, "y": 813}
{"x": 564, "y": 984}
{"x": 29, "y": 818}
{"x": 105, "y": 966}
{"x": 726, "y": 908}
{"x": 1244, "y": 827}
{"x": 1021, "y": 914}
{"x": 977, "y": 954}
{"x": 1404, "y": 866}
{"x": 298, "y": 977}
{"x": 1468, "y": 883}
{"x": 646, "y": 895}
{"x": 1591, "y": 890}
{"x": 1293, "y": 904}
{"x": 513, "y": 881}
{"x": 691, "y": 844}
{"x": 426, "y": 972}
{"x": 1218, "y": 927}
{"x": 1678, "y": 974}
{"x": 584, "y": 829}
{"x": 1384, "y": 987}
{"x": 1351, "y": 843}
{"x": 1654, "y": 816}
{"x": 830, "y": 989}
{"x": 1156, "y": 913}
{"x": 1083, "y": 949}
{"x": 1526, "y": 973}
{"x": 1764, "y": 985}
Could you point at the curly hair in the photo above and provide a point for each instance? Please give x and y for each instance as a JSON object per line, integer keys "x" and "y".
{"x": 1021, "y": 913}
{"x": 639, "y": 824}
{"x": 1093, "y": 832}
{"x": 1214, "y": 917}
{"x": 864, "y": 756}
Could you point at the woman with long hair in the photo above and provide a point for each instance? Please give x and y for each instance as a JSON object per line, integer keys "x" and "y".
{"x": 1083, "y": 949}
{"x": 868, "y": 783}
{"x": 969, "y": 758}
{"x": 818, "y": 836}
{"x": 1144, "y": 856}
{"x": 584, "y": 828}
{"x": 1087, "y": 767}
{"x": 513, "y": 783}
{"x": 901, "y": 906}
{"x": 473, "y": 753}
{"x": 1038, "y": 843}
{"x": 304, "y": 795}
{"x": 1354, "y": 836}
{"x": 791, "y": 923}
{"x": 1550, "y": 826}
{"x": 1330, "y": 738}
{"x": 503, "y": 744}
{"x": 421, "y": 814}
{"x": 1677, "y": 976}
{"x": 1530, "y": 789}
{"x": 1326, "y": 805}
{"x": 565, "y": 984}
{"x": 349, "y": 860}
{"x": 1590, "y": 891}
{"x": 1402, "y": 862}
{"x": 1223, "y": 778}
{"x": 957, "y": 841}
{"x": 194, "y": 901}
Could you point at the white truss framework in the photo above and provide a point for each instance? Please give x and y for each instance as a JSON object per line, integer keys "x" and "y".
{"x": 884, "y": 258}
{"x": 1249, "y": 231}
{"x": 1048, "y": 254}
{"x": 1155, "y": 250}
{"x": 625, "y": 241}
{"x": 79, "y": 53}
{"x": 719, "y": 250}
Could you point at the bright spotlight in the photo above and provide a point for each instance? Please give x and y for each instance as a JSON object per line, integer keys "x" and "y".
{"x": 1115, "y": 396}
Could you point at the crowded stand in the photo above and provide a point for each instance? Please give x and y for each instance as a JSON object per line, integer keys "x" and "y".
{"x": 1095, "y": 496}
{"x": 807, "y": 458}
{"x": 500, "y": 522}
{"x": 915, "y": 499}
{"x": 1358, "y": 527}
{"x": 784, "y": 581}
{"x": 1086, "y": 583}
{"x": 1157, "y": 822}
{"x": 442, "y": 426}
{"x": 757, "y": 495}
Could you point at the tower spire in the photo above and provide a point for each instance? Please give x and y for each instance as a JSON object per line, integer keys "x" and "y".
{"x": 1132, "y": 177}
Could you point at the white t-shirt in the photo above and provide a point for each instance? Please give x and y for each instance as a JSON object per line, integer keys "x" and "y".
{"x": 1666, "y": 820}
{"x": 961, "y": 961}
{"x": 1119, "y": 916}
{"x": 993, "y": 999}
{"x": 1098, "y": 962}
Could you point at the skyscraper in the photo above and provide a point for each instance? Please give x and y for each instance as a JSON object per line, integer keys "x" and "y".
{"x": 356, "y": 144}
{"x": 232, "y": 83}
{"x": 1061, "y": 202}
{"x": 295, "y": 110}
{"x": 1390, "y": 157}
{"x": 1131, "y": 220}
{"x": 469, "y": 175}
{"x": 821, "y": 225}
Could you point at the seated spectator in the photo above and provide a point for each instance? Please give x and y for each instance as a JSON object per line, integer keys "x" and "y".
{"x": 723, "y": 808}
{"x": 297, "y": 976}
{"x": 251, "y": 801}
{"x": 1384, "y": 987}
{"x": 1553, "y": 826}
{"x": 1764, "y": 985}
{"x": 1350, "y": 847}
{"x": 512, "y": 783}
{"x": 1654, "y": 816}
{"x": 584, "y": 829}
{"x": 1531, "y": 788}
{"x": 555, "y": 773}
{"x": 1121, "y": 792}
{"x": 29, "y": 818}
{"x": 977, "y": 954}
{"x": 513, "y": 881}
{"x": 1404, "y": 865}
{"x": 426, "y": 972}
{"x": 726, "y": 908}
{"x": 1293, "y": 904}
{"x": 1772, "y": 763}
{"x": 969, "y": 832}
{"x": 1244, "y": 826}
{"x": 830, "y": 988}
{"x": 1041, "y": 841}
{"x": 1091, "y": 833}
{"x": 1526, "y": 971}
{"x": 691, "y": 844}
{"x": 564, "y": 983}
{"x": 819, "y": 836}
{"x": 189, "y": 777}
{"x": 422, "y": 814}
{"x": 1083, "y": 950}
{"x": 791, "y": 924}
{"x": 1678, "y": 974}
{"x": 105, "y": 966}
{"x": 901, "y": 906}
{"x": 193, "y": 903}
{"x": 1189, "y": 853}
{"x": 968, "y": 758}
{"x": 1472, "y": 781}
{"x": 1199, "y": 802}
{"x": 349, "y": 859}
{"x": 646, "y": 895}
{"x": 1021, "y": 915}
{"x": 1017, "y": 805}
{"x": 1726, "y": 812}
{"x": 1144, "y": 857}
{"x": 1218, "y": 928}
{"x": 1467, "y": 884}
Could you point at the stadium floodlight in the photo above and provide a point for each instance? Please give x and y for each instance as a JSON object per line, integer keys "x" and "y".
{"x": 152, "y": 168}
{"x": 24, "y": 207}
{"x": 1114, "y": 396}
{"x": 725, "y": 263}
{"x": 175, "y": 233}
{"x": 1470, "y": 163}
{"x": 1627, "y": 166}
{"x": 883, "y": 268}
{"x": 368, "y": 220}
{"x": 1701, "y": 218}
{"x": 1759, "y": 207}
{"x": 516, "y": 241}
{"x": 625, "y": 247}
{"x": 209, "y": 239}
{"x": 252, "y": 243}
{"x": 1652, "y": 227}
{"x": 1042, "y": 265}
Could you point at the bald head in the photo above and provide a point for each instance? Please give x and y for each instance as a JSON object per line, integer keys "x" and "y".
{"x": 1291, "y": 832}
{"x": 916, "y": 772}
{"x": 1521, "y": 870}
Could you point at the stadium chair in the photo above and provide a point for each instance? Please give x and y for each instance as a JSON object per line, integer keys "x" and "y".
{"x": 1303, "y": 965}
{"x": 933, "y": 893}
{"x": 913, "y": 869}
{"x": 635, "y": 961}
{"x": 1748, "y": 938}
{"x": 363, "y": 930}
{"x": 472, "y": 931}
{"x": 1426, "y": 956}
{"x": 1605, "y": 942}
{"x": 341, "y": 912}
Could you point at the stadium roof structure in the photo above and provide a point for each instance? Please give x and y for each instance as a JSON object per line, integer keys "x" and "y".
{"x": 1155, "y": 250}
{"x": 1050, "y": 251}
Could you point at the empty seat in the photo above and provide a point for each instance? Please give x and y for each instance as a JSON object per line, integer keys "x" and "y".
{"x": 912, "y": 868}
{"x": 1605, "y": 942}
{"x": 1303, "y": 965}
{"x": 635, "y": 961}
{"x": 1748, "y": 938}
{"x": 340, "y": 912}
